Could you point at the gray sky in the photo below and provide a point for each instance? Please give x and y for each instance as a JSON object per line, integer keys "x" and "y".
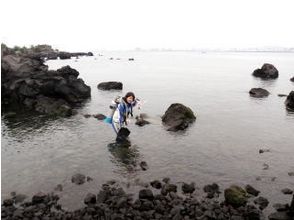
{"x": 127, "y": 24}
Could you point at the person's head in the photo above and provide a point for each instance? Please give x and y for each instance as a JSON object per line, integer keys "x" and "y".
{"x": 129, "y": 97}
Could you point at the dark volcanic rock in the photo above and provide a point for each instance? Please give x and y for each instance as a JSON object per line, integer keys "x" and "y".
{"x": 78, "y": 179}
{"x": 188, "y": 188}
{"x": 249, "y": 189}
{"x": 262, "y": 202}
{"x": 258, "y": 93}
{"x": 110, "y": 85}
{"x": 178, "y": 117}
{"x": 156, "y": 184}
{"x": 290, "y": 101}
{"x": 267, "y": 71}
{"x": 140, "y": 121}
{"x": 235, "y": 196}
{"x": 146, "y": 194}
{"x": 287, "y": 191}
{"x": 27, "y": 82}
{"x": 211, "y": 190}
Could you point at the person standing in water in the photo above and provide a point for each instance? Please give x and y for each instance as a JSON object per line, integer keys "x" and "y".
{"x": 124, "y": 109}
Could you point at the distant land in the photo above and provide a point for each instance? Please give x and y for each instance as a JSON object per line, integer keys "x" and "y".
{"x": 203, "y": 50}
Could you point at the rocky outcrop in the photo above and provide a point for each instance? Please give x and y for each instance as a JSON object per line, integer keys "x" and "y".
{"x": 27, "y": 82}
{"x": 110, "y": 86}
{"x": 178, "y": 117}
{"x": 258, "y": 93}
{"x": 267, "y": 71}
{"x": 290, "y": 101}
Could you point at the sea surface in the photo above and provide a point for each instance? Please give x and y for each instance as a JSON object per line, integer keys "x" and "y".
{"x": 222, "y": 146}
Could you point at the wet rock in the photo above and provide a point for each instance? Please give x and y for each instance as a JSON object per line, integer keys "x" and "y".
{"x": 19, "y": 198}
{"x": 188, "y": 188}
{"x": 280, "y": 216}
{"x": 99, "y": 116}
{"x": 262, "y": 202}
{"x": 144, "y": 165}
{"x": 166, "y": 180}
{"x": 59, "y": 188}
{"x": 265, "y": 166}
{"x": 264, "y": 150}
{"x": 90, "y": 199}
{"x": 110, "y": 85}
{"x": 267, "y": 71}
{"x": 78, "y": 179}
{"x": 131, "y": 59}
{"x": 235, "y": 196}
{"x": 8, "y": 202}
{"x": 292, "y": 79}
{"x": 140, "y": 121}
{"x": 156, "y": 184}
{"x": 258, "y": 93}
{"x": 281, "y": 207}
{"x": 168, "y": 187}
{"x": 87, "y": 115}
{"x": 251, "y": 190}
{"x": 291, "y": 173}
{"x": 282, "y": 95}
{"x": 39, "y": 198}
{"x": 89, "y": 179}
{"x": 287, "y": 191}
{"x": 178, "y": 117}
{"x": 290, "y": 101}
{"x": 211, "y": 190}
{"x": 146, "y": 194}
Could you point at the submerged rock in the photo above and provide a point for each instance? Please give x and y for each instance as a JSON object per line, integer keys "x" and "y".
{"x": 110, "y": 85}
{"x": 258, "y": 93}
{"x": 290, "y": 101}
{"x": 292, "y": 79}
{"x": 144, "y": 165}
{"x": 251, "y": 190}
{"x": 178, "y": 117}
{"x": 267, "y": 71}
{"x": 78, "y": 179}
{"x": 262, "y": 202}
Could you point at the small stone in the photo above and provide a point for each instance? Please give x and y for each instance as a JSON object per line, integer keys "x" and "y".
{"x": 78, "y": 179}
{"x": 59, "y": 188}
{"x": 265, "y": 166}
{"x": 89, "y": 179}
{"x": 291, "y": 173}
{"x": 264, "y": 150}
{"x": 90, "y": 199}
{"x": 188, "y": 188}
{"x": 166, "y": 180}
{"x": 87, "y": 115}
{"x": 39, "y": 197}
{"x": 8, "y": 202}
{"x": 144, "y": 165}
{"x": 287, "y": 191}
{"x": 249, "y": 189}
{"x": 146, "y": 194}
{"x": 262, "y": 202}
{"x": 281, "y": 207}
{"x": 156, "y": 184}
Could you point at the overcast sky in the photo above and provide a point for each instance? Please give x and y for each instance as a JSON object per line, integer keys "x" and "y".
{"x": 127, "y": 24}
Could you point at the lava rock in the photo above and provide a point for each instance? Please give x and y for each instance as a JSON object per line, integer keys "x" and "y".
{"x": 258, "y": 93}
{"x": 146, "y": 194}
{"x": 262, "y": 202}
{"x": 267, "y": 71}
{"x": 290, "y": 101}
{"x": 287, "y": 191}
{"x": 78, "y": 179}
{"x": 188, "y": 188}
{"x": 178, "y": 117}
{"x": 251, "y": 190}
{"x": 110, "y": 85}
{"x": 156, "y": 184}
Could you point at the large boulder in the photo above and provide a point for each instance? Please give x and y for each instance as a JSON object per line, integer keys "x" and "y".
{"x": 110, "y": 85}
{"x": 267, "y": 71}
{"x": 258, "y": 92}
{"x": 235, "y": 196}
{"x": 290, "y": 101}
{"x": 27, "y": 82}
{"x": 178, "y": 117}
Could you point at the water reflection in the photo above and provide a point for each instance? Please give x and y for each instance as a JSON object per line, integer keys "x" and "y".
{"x": 124, "y": 156}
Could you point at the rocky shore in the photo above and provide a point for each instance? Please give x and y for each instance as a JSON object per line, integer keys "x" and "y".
{"x": 157, "y": 200}
{"x": 26, "y": 82}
